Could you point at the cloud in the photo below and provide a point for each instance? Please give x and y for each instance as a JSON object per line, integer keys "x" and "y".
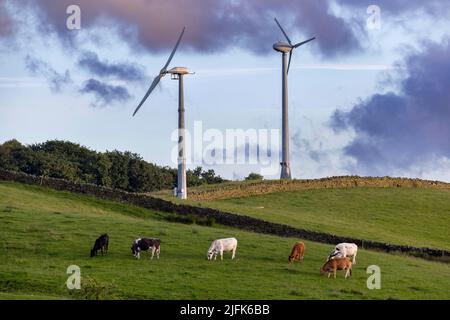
{"x": 213, "y": 26}
{"x": 218, "y": 25}
{"x": 105, "y": 93}
{"x": 396, "y": 131}
{"x": 123, "y": 71}
{"x": 434, "y": 7}
{"x": 5, "y": 21}
{"x": 55, "y": 79}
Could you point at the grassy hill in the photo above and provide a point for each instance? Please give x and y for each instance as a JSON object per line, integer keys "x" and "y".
{"x": 43, "y": 231}
{"x": 406, "y": 216}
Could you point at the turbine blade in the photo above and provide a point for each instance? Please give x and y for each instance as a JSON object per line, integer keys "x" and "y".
{"x": 282, "y": 30}
{"x": 174, "y": 49}
{"x": 152, "y": 87}
{"x": 304, "y": 42}
{"x": 289, "y": 63}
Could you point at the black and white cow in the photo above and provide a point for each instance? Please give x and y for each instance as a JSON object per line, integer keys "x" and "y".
{"x": 100, "y": 244}
{"x": 343, "y": 250}
{"x": 146, "y": 244}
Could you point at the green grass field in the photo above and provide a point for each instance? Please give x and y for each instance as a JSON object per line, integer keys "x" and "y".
{"x": 406, "y": 216}
{"x": 43, "y": 231}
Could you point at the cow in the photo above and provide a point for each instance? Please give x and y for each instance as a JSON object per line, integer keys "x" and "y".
{"x": 297, "y": 253}
{"x": 343, "y": 250}
{"x": 337, "y": 264}
{"x": 146, "y": 244}
{"x": 100, "y": 244}
{"x": 221, "y": 245}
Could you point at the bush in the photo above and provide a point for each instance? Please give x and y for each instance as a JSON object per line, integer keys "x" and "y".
{"x": 254, "y": 176}
{"x": 93, "y": 289}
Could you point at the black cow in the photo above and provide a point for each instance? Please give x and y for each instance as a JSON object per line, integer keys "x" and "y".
{"x": 100, "y": 244}
{"x": 145, "y": 244}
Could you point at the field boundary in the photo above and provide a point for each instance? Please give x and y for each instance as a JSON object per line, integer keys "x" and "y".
{"x": 248, "y": 189}
{"x": 224, "y": 218}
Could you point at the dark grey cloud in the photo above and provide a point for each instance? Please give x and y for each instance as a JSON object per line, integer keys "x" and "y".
{"x": 212, "y": 25}
{"x": 5, "y": 20}
{"x": 56, "y": 80}
{"x": 123, "y": 71}
{"x": 104, "y": 93}
{"x": 217, "y": 25}
{"x": 404, "y": 129}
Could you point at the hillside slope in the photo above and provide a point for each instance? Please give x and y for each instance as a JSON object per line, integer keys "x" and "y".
{"x": 417, "y": 217}
{"x": 43, "y": 231}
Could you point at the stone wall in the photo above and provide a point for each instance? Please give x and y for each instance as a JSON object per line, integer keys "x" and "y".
{"x": 224, "y": 218}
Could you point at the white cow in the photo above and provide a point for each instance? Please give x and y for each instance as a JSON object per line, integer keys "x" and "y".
{"x": 343, "y": 250}
{"x": 221, "y": 245}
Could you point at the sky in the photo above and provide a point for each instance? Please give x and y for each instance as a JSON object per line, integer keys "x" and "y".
{"x": 368, "y": 97}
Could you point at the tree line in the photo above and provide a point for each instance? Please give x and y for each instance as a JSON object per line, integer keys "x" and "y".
{"x": 120, "y": 170}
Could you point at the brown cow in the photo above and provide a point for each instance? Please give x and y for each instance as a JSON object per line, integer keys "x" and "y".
{"x": 337, "y": 264}
{"x": 298, "y": 252}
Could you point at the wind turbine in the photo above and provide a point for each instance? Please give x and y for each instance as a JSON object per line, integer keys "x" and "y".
{"x": 177, "y": 73}
{"x": 286, "y": 48}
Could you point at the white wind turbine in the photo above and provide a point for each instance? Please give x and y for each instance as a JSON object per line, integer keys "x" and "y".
{"x": 285, "y": 48}
{"x": 177, "y": 73}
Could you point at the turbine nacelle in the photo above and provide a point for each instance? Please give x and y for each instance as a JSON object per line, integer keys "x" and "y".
{"x": 178, "y": 70}
{"x": 282, "y": 47}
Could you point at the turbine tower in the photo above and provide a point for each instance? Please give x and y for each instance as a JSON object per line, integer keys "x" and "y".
{"x": 177, "y": 73}
{"x": 285, "y": 48}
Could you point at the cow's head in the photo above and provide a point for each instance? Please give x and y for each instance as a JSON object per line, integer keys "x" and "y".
{"x": 210, "y": 254}
{"x": 322, "y": 271}
{"x": 290, "y": 259}
{"x": 134, "y": 248}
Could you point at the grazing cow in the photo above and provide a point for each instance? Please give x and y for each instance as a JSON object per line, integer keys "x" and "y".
{"x": 145, "y": 244}
{"x": 337, "y": 264}
{"x": 298, "y": 252}
{"x": 100, "y": 244}
{"x": 343, "y": 250}
{"x": 221, "y": 245}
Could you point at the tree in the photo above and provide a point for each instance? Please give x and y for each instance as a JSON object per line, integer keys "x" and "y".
{"x": 73, "y": 162}
{"x": 254, "y": 176}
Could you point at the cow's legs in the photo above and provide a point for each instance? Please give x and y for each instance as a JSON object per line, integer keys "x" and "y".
{"x": 234, "y": 254}
{"x": 157, "y": 252}
{"x": 221, "y": 254}
{"x": 354, "y": 259}
{"x": 153, "y": 252}
{"x": 138, "y": 255}
{"x": 334, "y": 273}
{"x": 346, "y": 273}
{"x": 329, "y": 274}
